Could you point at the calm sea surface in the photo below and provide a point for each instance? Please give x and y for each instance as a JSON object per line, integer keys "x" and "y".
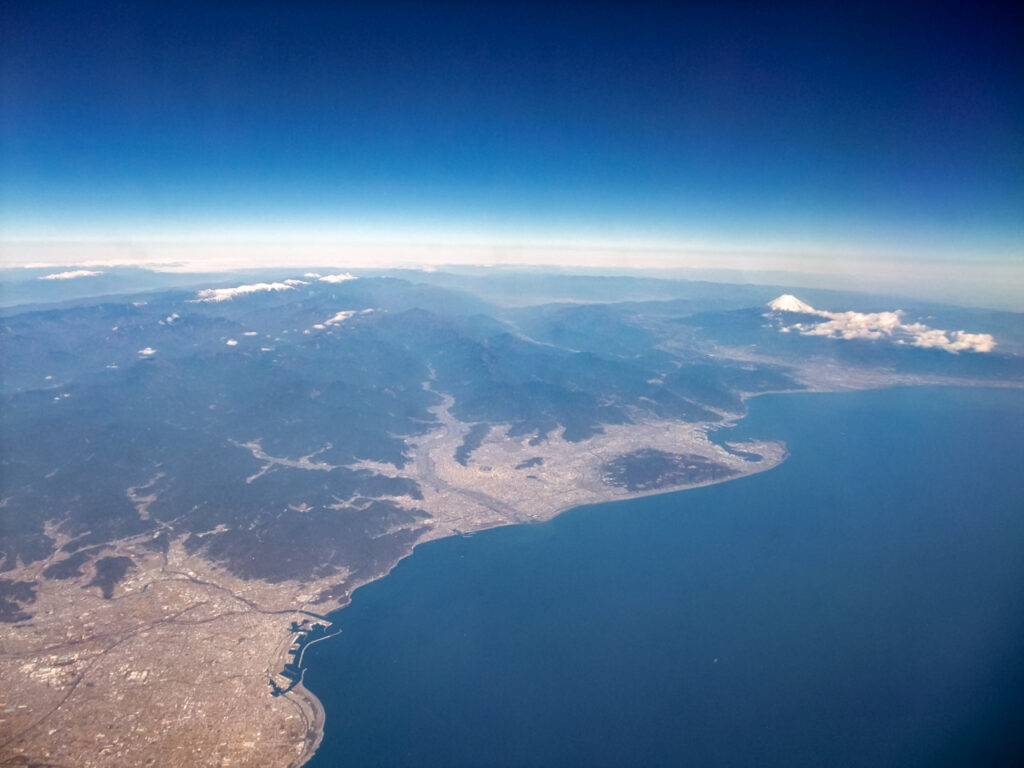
{"x": 861, "y": 605}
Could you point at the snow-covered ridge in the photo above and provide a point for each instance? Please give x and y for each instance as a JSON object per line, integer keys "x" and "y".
{"x": 343, "y": 277}
{"x": 226, "y": 294}
{"x": 72, "y": 275}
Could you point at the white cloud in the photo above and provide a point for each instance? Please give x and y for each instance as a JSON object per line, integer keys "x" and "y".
{"x": 232, "y": 342}
{"x": 226, "y": 294}
{"x": 313, "y": 275}
{"x": 251, "y": 333}
{"x": 339, "y": 278}
{"x": 880, "y": 325}
{"x": 147, "y": 352}
{"x": 856, "y": 325}
{"x": 956, "y": 341}
{"x": 293, "y": 281}
{"x": 72, "y": 274}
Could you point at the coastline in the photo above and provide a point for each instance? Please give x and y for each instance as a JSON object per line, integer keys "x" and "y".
{"x": 310, "y": 707}
{"x": 174, "y": 609}
{"x": 351, "y": 691}
{"x": 314, "y": 714}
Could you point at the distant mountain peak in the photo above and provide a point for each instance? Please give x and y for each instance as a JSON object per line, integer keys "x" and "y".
{"x": 787, "y": 302}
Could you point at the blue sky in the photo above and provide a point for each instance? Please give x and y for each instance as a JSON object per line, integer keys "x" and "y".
{"x": 848, "y": 132}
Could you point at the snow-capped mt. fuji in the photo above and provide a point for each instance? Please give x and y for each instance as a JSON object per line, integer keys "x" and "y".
{"x": 872, "y": 326}
{"x": 787, "y": 302}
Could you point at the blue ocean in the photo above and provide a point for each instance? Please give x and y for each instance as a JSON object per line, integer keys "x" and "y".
{"x": 860, "y": 605}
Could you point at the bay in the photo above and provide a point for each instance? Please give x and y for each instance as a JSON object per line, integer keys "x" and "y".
{"x": 857, "y": 606}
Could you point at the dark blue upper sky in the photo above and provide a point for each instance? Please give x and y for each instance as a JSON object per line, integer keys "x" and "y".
{"x": 665, "y": 120}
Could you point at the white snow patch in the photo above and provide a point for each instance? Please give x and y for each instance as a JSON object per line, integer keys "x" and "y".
{"x": 787, "y": 302}
{"x": 226, "y": 294}
{"x": 72, "y": 274}
{"x": 339, "y": 278}
{"x": 340, "y": 317}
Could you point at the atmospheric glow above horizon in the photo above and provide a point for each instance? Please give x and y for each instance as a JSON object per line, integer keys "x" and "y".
{"x": 632, "y": 136}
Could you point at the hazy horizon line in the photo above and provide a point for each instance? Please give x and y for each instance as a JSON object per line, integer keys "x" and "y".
{"x": 976, "y": 283}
